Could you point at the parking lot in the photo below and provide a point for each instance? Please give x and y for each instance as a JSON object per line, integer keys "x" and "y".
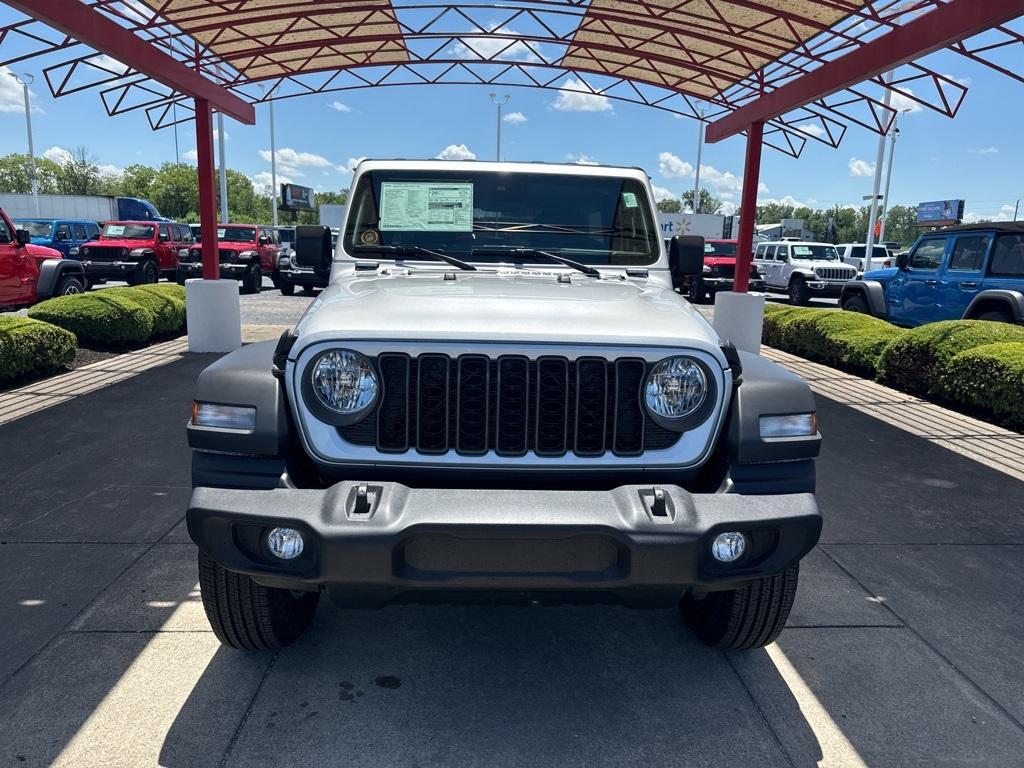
{"x": 903, "y": 647}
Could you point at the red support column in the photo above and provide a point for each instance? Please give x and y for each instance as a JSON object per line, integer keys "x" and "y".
{"x": 748, "y": 207}
{"x": 207, "y": 193}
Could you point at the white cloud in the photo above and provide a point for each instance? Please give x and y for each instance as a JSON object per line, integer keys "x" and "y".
{"x": 581, "y": 159}
{"x": 790, "y": 201}
{"x": 487, "y": 48}
{"x": 902, "y": 103}
{"x": 110, "y": 170}
{"x": 58, "y": 155}
{"x": 577, "y": 96}
{"x": 672, "y": 167}
{"x": 192, "y": 155}
{"x": 514, "y": 118}
{"x": 662, "y": 193}
{"x": 727, "y": 209}
{"x": 859, "y": 168}
{"x": 350, "y": 165}
{"x": 456, "y": 152}
{"x": 262, "y": 182}
{"x": 814, "y": 129}
{"x": 290, "y": 161}
{"x": 722, "y": 182}
{"x": 985, "y": 151}
{"x": 339, "y": 107}
{"x": 1005, "y": 213}
{"x": 12, "y": 98}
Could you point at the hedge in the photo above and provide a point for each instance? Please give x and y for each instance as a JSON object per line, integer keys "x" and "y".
{"x": 168, "y": 311}
{"x": 29, "y": 346}
{"x": 990, "y": 378}
{"x": 843, "y": 339}
{"x": 913, "y": 362}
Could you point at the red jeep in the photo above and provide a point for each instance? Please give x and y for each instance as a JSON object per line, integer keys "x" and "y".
{"x": 31, "y": 273}
{"x": 135, "y": 251}
{"x": 245, "y": 252}
{"x": 719, "y": 270}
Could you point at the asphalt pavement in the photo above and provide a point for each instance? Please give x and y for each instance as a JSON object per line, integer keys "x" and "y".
{"x": 903, "y": 648}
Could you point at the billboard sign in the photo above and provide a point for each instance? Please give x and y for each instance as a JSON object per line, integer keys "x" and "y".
{"x": 296, "y": 198}
{"x": 940, "y": 213}
{"x": 708, "y": 225}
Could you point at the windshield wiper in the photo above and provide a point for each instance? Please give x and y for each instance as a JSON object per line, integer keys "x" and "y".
{"x": 586, "y": 269}
{"x": 416, "y": 250}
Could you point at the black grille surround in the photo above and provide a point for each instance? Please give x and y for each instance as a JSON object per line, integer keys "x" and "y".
{"x": 512, "y": 405}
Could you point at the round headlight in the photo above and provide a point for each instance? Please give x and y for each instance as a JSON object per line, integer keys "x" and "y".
{"x": 344, "y": 382}
{"x": 676, "y": 388}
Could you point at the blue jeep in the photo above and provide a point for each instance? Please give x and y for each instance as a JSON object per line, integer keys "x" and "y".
{"x": 64, "y": 235}
{"x": 972, "y": 272}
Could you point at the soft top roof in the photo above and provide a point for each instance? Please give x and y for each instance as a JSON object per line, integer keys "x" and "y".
{"x": 997, "y": 226}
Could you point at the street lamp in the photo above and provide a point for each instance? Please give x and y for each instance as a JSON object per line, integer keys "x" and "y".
{"x": 696, "y": 175}
{"x": 223, "y": 170}
{"x": 25, "y": 81}
{"x": 499, "y": 103}
{"x": 884, "y": 215}
{"x": 269, "y": 95}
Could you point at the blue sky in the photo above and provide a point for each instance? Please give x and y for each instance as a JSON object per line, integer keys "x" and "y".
{"x": 978, "y": 156}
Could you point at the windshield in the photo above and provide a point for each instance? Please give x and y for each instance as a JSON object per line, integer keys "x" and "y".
{"x": 236, "y": 234}
{"x": 591, "y": 219}
{"x": 127, "y": 232}
{"x": 878, "y": 251}
{"x": 35, "y": 228}
{"x": 815, "y": 252}
{"x": 719, "y": 249}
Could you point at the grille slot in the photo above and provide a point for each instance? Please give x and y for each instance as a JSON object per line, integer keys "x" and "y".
{"x": 510, "y": 405}
{"x": 835, "y": 273}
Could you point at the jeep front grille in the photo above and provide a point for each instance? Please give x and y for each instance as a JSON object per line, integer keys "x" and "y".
{"x": 835, "y": 273}
{"x": 106, "y": 253}
{"x": 511, "y": 405}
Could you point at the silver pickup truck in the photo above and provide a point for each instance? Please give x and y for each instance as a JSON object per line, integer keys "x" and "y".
{"x": 499, "y": 397}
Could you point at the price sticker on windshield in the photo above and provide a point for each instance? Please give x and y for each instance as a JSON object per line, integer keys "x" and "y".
{"x": 802, "y": 250}
{"x": 426, "y": 207}
{"x": 629, "y": 199}
{"x": 115, "y": 230}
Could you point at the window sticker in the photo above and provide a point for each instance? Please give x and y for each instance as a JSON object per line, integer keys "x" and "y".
{"x": 802, "y": 250}
{"x": 407, "y": 206}
{"x": 220, "y": 233}
{"x": 115, "y": 230}
{"x": 709, "y": 248}
{"x": 629, "y": 199}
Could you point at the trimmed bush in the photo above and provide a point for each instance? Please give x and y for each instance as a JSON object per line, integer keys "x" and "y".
{"x": 168, "y": 311}
{"x": 913, "y": 362}
{"x": 100, "y": 317}
{"x": 29, "y": 346}
{"x": 170, "y": 290}
{"x": 989, "y": 377}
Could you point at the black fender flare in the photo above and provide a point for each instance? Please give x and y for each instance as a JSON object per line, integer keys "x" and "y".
{"x": 1012, "y": 300}
{"x": 871, "y": 290}
{"x": 51, "y": 271}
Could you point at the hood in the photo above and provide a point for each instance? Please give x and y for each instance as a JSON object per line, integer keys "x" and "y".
{"x": 131, "y": 245}
{"x": 229, "y": 246}
{"x": 716, "y": 261}
{"x": 881, "y": 274}
{"x": 504, "y": 307}
{"x": 42, "y": 252}
{"x": 40, "y": 240}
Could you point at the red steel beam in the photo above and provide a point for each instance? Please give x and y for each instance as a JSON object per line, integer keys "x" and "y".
{"x": 748, "y": 207}
{"x": 88, "y": 26}
{"x": 955, "y": 21}
{"x": 207, "y": 190}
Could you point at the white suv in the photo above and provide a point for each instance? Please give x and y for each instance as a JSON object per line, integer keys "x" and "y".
{"x": 802, "y": 269}
{"x": 853, "y": 254}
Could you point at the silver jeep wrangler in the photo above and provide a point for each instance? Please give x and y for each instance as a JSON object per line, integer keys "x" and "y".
{"x": 500, "y": 398}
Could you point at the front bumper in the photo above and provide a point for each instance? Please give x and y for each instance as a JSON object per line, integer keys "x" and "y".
{"x": 108, "y": 269}
{"x": 401, "y": 544}
{"x": 195, "y": 269}
{"x": 302, "y": 277}
{"x": 825, "y": 288}
{"x": 725, "y": 283}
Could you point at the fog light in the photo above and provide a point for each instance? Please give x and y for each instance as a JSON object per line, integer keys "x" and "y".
{"x": 285, "y": 543}
{"x": 241, "y": 417}
{"x": 729, "y": 547}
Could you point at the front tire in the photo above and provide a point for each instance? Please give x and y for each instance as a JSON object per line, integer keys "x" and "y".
{"x": 69, "y": 285}
{"x": 995, "y": 316}
{"x": 248, "y": 616}
{"x": 856, "y": 303}
{"x": 146, "y": 274}
{"x": 740, "y": 619}
{"x": 799, "y": 293}
{"x": 308, "y": 290}
{"x": 253, "y": 280}
{"x": 286, "y": 288}
{"x": 697, "y": 293}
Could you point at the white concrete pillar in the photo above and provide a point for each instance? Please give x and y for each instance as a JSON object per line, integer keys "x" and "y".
{"x": 738, "y": 318}
{"x": 214, "y": 315}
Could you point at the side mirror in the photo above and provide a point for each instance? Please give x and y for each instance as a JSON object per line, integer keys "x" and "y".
{"x": 62, "y": 236}
{"x": 22, "y": 237}
{"x": 313, "y": 246}
{"x": 903, "y": 261}
{"x": 686, "y": 255}
{"x": 263, "y": 240}
{"x": 164, "y": 238}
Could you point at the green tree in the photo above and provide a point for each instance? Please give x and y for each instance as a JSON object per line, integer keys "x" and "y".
{"x": 137, "y": 181}
{"x": 14, "y": 174}
{"x": 79, "y": 175}
{"x": 708, "y": 202}
{"x": 901, "y": 225}
{"x": 671, "y": 205}
{"x": 175, "y": 191}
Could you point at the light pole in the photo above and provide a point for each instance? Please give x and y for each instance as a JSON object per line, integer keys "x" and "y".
{"x": 869, "y": 250}
{"x": 25, "y": 81}
{"x": 223, "y": 171}
{"x": 273, "y": 153}
{"x": 499, "y": 103}
{"x": 696, "y": 176}
{"x": 884, "y": 215}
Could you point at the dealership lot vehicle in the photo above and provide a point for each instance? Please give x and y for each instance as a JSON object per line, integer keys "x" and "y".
{"x": 718, "y": 273}
{"x": 974, "y": 272}
{"x": 306, "y": 276}
{"x": 63, "y": 235}
{"x": 853, "y": 254}
{"x": 802, "y": 269}
{"x": 499, "y": 397}
{"x": 135, "y": 251}
{"x": 245, "y": 252}
{"x": 30, "y": 273}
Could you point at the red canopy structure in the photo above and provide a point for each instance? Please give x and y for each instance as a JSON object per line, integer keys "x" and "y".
{"x": 784, "y": 72}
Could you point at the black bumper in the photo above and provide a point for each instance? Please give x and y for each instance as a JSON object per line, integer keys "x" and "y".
{"x": 715, "y": 284}
{"x": 828, "y": 290}
{"x": 446, "y": 545}
{"x": 109, "y": 270}
{"x": 195, "y": 269}
{"x": 304, "y": 278}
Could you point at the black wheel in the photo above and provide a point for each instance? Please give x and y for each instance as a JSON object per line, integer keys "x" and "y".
{"x": 69, "y": 285}
{"x": 253, "y": 280}
{"x": 248, "y": 616}
{"x": 697, "y": 293}
{"x": 740, "y": 619}
{"x": 856, "y": 303}
{"x": 799, "y": 293}
{"x": 308, "y": 290}
{"x": 995, "y": 316}
{"x": 146, "y": 272}
{"x": 179, "y": 280}
{"x": 287, "y": 289}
